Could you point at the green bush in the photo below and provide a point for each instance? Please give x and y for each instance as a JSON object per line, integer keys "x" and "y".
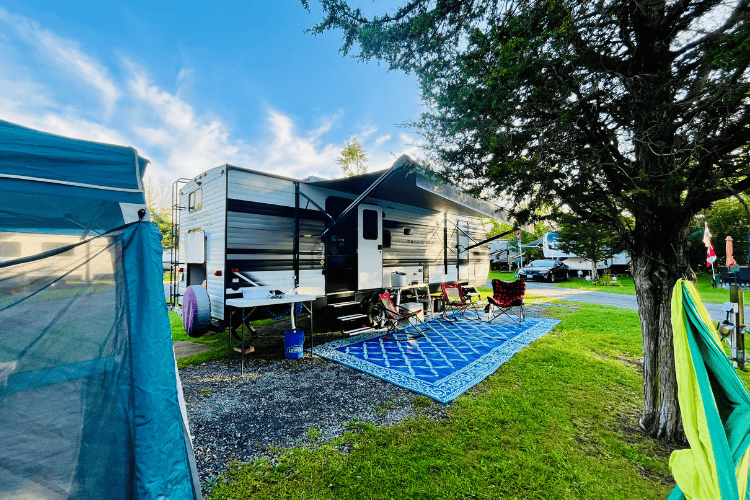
{"x": 607, "y": 280}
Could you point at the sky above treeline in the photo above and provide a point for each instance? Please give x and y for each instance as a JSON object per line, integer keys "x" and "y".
{"x": 193, "y": 85}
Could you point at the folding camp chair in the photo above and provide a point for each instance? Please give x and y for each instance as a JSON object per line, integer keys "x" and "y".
{"x": 457, "y": 302}
{"x": 505, "y": 296}
{"x": 392, "y": 316}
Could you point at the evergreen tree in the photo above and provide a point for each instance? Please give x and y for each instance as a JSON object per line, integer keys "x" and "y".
{"x": 353, "y": 159}
{"x": 626, "y": 114}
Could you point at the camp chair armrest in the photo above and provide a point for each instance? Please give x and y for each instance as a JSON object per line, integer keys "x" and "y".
{"x": 407, "y": 313}
{"x": 505, "y": 303}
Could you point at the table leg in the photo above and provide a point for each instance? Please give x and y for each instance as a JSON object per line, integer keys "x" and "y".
{"x": 242, "y": 355}
{"x": 312, "y": 337}
{"x": 229, "y": 340}
{"x": 291, "y": 314}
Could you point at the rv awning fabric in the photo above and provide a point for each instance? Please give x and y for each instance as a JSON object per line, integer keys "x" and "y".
{"x": 75, "y": 186}
{"x": 409, "y": 187}
{"x": 715, "y": 407}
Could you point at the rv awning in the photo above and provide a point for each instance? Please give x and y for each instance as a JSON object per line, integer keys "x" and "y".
{"x": 409, "y": 187}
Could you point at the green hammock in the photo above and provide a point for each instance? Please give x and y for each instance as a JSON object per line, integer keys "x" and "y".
{"x": 715, "y": 407}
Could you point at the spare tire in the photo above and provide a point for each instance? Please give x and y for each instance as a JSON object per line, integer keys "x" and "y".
{"x": 196, "y": 311}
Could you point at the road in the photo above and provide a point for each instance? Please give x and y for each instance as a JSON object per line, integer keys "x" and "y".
{"x": 603, "y": 298}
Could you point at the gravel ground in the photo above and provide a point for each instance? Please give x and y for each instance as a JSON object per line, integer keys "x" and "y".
{"x": 277, "y": 403}
{"x": 281, "y": 403}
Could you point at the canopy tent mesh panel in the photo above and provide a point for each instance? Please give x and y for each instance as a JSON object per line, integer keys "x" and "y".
{"x": 90, "y": 401}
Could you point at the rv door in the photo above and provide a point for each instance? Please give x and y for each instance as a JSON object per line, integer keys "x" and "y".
{"x": 369, "y": 247}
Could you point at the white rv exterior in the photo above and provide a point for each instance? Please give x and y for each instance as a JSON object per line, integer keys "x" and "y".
{"x": 503, "y": 254}
{"x": 238, "y": 225}
{"x": 575, "y": 263}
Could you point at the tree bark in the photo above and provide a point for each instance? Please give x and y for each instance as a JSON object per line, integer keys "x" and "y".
{"x": 655, "y": 272}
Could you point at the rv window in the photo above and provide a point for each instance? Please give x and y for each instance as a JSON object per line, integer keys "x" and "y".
{"x": 195, "y": 200}
{"x": 408, "y": 231}
{"x": 370, "y": 224}
{"x": 386, "y": 238}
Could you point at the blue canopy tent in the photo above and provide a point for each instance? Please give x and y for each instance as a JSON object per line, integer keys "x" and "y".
{"x": 90, "y": 400}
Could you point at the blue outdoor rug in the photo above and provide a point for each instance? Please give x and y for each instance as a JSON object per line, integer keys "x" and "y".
{"x": 448, "y": 360}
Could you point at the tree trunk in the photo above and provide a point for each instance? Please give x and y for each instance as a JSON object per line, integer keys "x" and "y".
{"x": 655, "y": 272}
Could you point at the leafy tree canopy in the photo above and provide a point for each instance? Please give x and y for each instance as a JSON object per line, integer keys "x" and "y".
{"x": 592, "y": 242}
{"x": 627, "y": 114}
{"x": 162, "y": 222}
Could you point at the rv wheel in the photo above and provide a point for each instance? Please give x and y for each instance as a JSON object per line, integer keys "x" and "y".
{"x": 196, "y": 311}
{"x": 375, "y": 314}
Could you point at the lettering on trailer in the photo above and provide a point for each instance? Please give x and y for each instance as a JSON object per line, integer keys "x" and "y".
{"x": 196, "y": 216}
{"x": 418, "y": 242}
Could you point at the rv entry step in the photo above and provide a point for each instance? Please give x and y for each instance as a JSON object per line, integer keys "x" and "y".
{"x": 344, "y": 304}
{"x": 351, "y": 317}
{"x": 357, "y": 331}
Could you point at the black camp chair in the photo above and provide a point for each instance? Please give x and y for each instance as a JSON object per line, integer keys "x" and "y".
{"x": 505, "y": 296}
{"x": 745, "y": 277}
{"x": 726, "y": 276}
{"x": 393, "y": 316}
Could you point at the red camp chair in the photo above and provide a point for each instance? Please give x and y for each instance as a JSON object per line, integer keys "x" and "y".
{"x": 392, "y": 316}
{"x": 505, "y": 296}
{"x": 457, "y": 302}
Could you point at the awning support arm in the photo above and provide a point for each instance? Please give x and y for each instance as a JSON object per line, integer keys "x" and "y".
{"x": 490, "y": 239}
{"x": 361, "y": 198}
{"x": 467, "y": 234}
{"x": 315, "y": 205}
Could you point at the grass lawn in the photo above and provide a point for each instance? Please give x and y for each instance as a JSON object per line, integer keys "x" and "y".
{"x": 216, "y": 340}
{"x": 706, "y": 291}
{"x": 556, "y": 421}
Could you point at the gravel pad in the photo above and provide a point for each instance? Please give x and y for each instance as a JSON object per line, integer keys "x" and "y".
{"x": 277, "y": 403}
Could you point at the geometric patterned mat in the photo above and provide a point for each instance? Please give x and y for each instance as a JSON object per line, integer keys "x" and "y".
{"x": 449, "y": 359}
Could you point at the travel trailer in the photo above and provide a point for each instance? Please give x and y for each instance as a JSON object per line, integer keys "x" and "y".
{"x": 617, "y": 263}
{"x": 339, "y": 240}
{"x": 504, "y": 255}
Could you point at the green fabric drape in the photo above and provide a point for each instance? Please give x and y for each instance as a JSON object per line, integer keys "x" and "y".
{"x": 715, "y": 407}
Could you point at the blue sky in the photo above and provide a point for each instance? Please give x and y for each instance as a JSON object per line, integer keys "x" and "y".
{"x": 192, "y": 85}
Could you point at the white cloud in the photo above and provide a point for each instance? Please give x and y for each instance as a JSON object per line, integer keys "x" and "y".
{"x": 179, "y": 138}
{"x": 66, "y": 55}
{"x": 367, "y": 131}
{"x": 380, "y": 140}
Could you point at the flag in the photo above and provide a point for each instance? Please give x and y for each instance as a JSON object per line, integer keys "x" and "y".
{"x": 710, "y": 254}
{"x": 518, "y": 239}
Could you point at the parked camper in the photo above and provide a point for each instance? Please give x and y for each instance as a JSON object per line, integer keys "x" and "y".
{"x": 504, "y": 255}
{"x": 618, "y": 263}
{"x": 339, "y": 240}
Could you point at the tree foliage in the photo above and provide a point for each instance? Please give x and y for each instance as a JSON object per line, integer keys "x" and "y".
{"x": 164, "y": 224}
{"x": 353, "y": 159}
{"x": 626, "y": 114}
{"x": 592, "y": 242}
{"x": 158, "y": 194}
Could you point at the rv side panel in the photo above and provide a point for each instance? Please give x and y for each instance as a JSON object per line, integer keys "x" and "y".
{"x": 208, "y": 217}
{"x": 260, "y": 234}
